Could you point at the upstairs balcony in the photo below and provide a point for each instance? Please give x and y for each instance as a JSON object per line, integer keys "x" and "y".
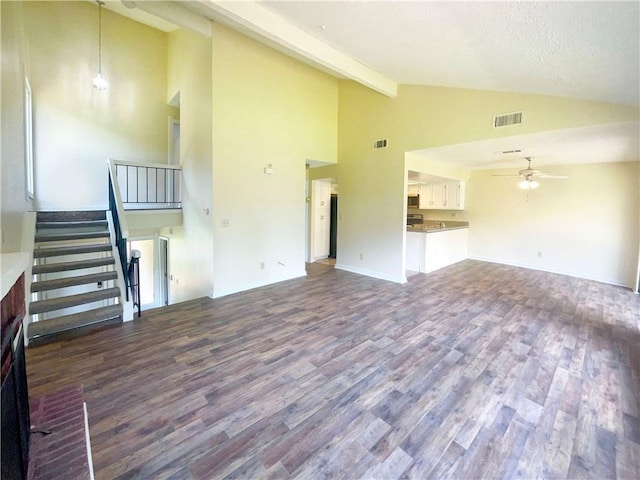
{"x": 148, "y": 194}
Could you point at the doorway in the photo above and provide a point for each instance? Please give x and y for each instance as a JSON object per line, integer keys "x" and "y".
{"x": 324, "y": 221}
{"x": 154, "y": 261}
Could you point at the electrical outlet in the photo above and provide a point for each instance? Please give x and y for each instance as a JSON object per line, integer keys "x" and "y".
{"x": 226, "y": 222}
{"x": 539, "y": 254}
{"x": 261, "y": 265}
{"x": 362, "y": 256}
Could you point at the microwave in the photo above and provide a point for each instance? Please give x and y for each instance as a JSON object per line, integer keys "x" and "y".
{"x": 413, "y": 200}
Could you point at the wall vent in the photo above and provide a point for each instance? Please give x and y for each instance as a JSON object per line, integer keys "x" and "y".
{"x": 380, "y": 143}
{"x": 507, "y": 119}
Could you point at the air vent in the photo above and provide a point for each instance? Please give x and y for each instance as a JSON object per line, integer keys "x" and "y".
{"x": 507, "y": 119}
{"x": 507, "y": 152}
{"x": 380, "y": 143}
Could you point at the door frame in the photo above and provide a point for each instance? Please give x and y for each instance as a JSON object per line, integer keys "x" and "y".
{"x": 157, "y": 302}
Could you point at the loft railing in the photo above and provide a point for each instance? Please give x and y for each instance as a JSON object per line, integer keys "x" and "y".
{"x": 149, "y": 186}
{"x": 120, "y": 226}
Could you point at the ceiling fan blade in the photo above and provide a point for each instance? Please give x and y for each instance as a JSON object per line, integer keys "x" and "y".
{"x": 548, "y": 175}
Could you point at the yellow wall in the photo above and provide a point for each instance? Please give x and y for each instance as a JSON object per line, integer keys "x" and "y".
{"x": 585, "y": 226}
{"x": 14, "y": 202}
{"x": 373, "y": 182}
{"x": 191, "y": 245}
{"x": 267, "y": 109}
{"x": 76, "y": 127}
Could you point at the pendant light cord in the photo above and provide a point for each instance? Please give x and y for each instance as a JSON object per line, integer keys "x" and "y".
{"x": 100, "y": 3}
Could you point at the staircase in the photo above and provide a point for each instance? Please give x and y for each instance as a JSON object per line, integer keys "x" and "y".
{"x": 74, "y": 275}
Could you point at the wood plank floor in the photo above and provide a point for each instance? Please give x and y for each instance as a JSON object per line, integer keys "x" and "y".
{"x": 478, "y": 370}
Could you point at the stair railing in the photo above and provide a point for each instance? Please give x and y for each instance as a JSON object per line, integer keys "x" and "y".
{"x": 121, "y": 229}
{"x": 148, "y": 186}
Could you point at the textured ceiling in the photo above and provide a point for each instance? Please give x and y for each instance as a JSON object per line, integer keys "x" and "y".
{"x": 588, "y": 50}
{"x": 605, "y": 143}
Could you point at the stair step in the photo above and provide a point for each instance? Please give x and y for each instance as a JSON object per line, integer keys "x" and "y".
{"x": 50, "y": 329}
{"x": 76, "y": 265}
{"x": 71, "y": 216}
{"x": 56, "y": 237}
{"x": 103, "y": 224}
{"x": 73, "y": 281}
{"x": 72, "y": 250}
{"x": 41, "y": 306}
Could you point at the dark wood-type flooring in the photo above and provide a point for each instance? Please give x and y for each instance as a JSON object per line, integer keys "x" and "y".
{"x": 478, "y": 370}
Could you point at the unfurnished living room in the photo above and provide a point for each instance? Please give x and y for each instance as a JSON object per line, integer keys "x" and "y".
{"x": 286, "y": 239}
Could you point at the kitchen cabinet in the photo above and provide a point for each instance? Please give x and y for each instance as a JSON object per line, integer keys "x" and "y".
{"x": 445, "y": 248}
{"x": 454, "y": 196}
{"x": 429, "y": 251}
{"x": 442, "y": 196}
{"x": 415, "y": 251}
{"x": 432, "y": 196}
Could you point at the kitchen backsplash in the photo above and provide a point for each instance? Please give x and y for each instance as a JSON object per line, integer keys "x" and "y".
{"x": 442, "y": 215}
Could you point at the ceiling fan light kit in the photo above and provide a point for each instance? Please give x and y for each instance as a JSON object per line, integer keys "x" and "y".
{"x": 529, "y": 175}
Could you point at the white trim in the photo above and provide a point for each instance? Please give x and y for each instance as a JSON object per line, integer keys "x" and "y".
{"x": 372, "y": 273}
{"x": 113, "y": 161}
{"x": 28, "y": 139}
{"x": 272, "y": 29}
{"x": 250, "y": 286}
{"x": 548, "y": 270}
{"x": 124, "y": 227}
{"x": 87, "y": 440}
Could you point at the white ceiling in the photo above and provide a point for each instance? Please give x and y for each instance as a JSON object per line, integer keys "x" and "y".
{"x": 588, "y": 50}
{"x": 617, "y": 142}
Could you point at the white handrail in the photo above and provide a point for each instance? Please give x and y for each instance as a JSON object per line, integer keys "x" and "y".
{"x": 124, "y": 226}
{"x": 142, "y": 164}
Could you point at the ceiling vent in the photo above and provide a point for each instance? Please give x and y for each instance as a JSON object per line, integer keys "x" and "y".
{"x": 508, "y": 152}
{"x": 380, "y": 143}
{"x": 507, "y": 119}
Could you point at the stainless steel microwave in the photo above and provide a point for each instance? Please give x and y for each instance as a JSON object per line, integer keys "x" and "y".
{"x": 413, "y": 200}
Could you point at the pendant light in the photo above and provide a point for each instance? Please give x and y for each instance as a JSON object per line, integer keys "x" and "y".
{"x": 99, "y": 81}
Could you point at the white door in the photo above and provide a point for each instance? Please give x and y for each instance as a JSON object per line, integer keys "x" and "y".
{"x": 321, "y": 198}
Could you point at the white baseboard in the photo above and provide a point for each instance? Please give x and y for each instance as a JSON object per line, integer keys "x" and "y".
{"x": 223, "y": 292}
{"x": 371, "y": 273}
{"x": 550, "y": 270}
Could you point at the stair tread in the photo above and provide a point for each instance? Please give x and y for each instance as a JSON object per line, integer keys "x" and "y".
{"x": 71, "y": 250}
{"x": 74, "y": 321}
{"x": 54, "y": 237}
{"x": 72, "y": 281}
{"x": 41, "y": 306}
{"x": 68, "y": 225}
{"x": 75, "y": 265}
{"x": 71, "y": 216}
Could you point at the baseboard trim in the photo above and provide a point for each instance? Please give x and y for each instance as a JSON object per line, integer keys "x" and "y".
{"x": 371, "y": 273}
{"x": 243, "y": 288}
{"x": 558, "y": 272}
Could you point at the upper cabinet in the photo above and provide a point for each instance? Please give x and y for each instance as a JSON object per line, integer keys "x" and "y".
{"x": 442, "y": 196}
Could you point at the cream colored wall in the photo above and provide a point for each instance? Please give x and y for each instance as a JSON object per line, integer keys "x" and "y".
{"x": 585, "y": 226}
{"x": 373, "y": 182}
{"x": 267, "y": 109}
{"x": 14, "y": 201}
{"x": 191, "y": 245}
{"x": 76, "y": 127}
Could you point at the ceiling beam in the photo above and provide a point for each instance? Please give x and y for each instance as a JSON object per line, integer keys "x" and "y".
{"x": 272, "y": 28}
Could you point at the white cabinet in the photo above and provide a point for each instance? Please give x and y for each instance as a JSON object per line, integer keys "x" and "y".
{"x": 415, "y": 251}
{"x": 431, "y": 251}
{"x": 442, "y": 196}
{"x": 454, "y": 196}
{"x": 432, "y": 196}
{"x": 445, "y": 248}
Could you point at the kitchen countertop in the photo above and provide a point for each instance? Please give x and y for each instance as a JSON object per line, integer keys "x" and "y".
{"x": 433, "y": 227}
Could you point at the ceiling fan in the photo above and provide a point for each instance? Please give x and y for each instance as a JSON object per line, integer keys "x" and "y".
{"x": 529, "y": 176}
